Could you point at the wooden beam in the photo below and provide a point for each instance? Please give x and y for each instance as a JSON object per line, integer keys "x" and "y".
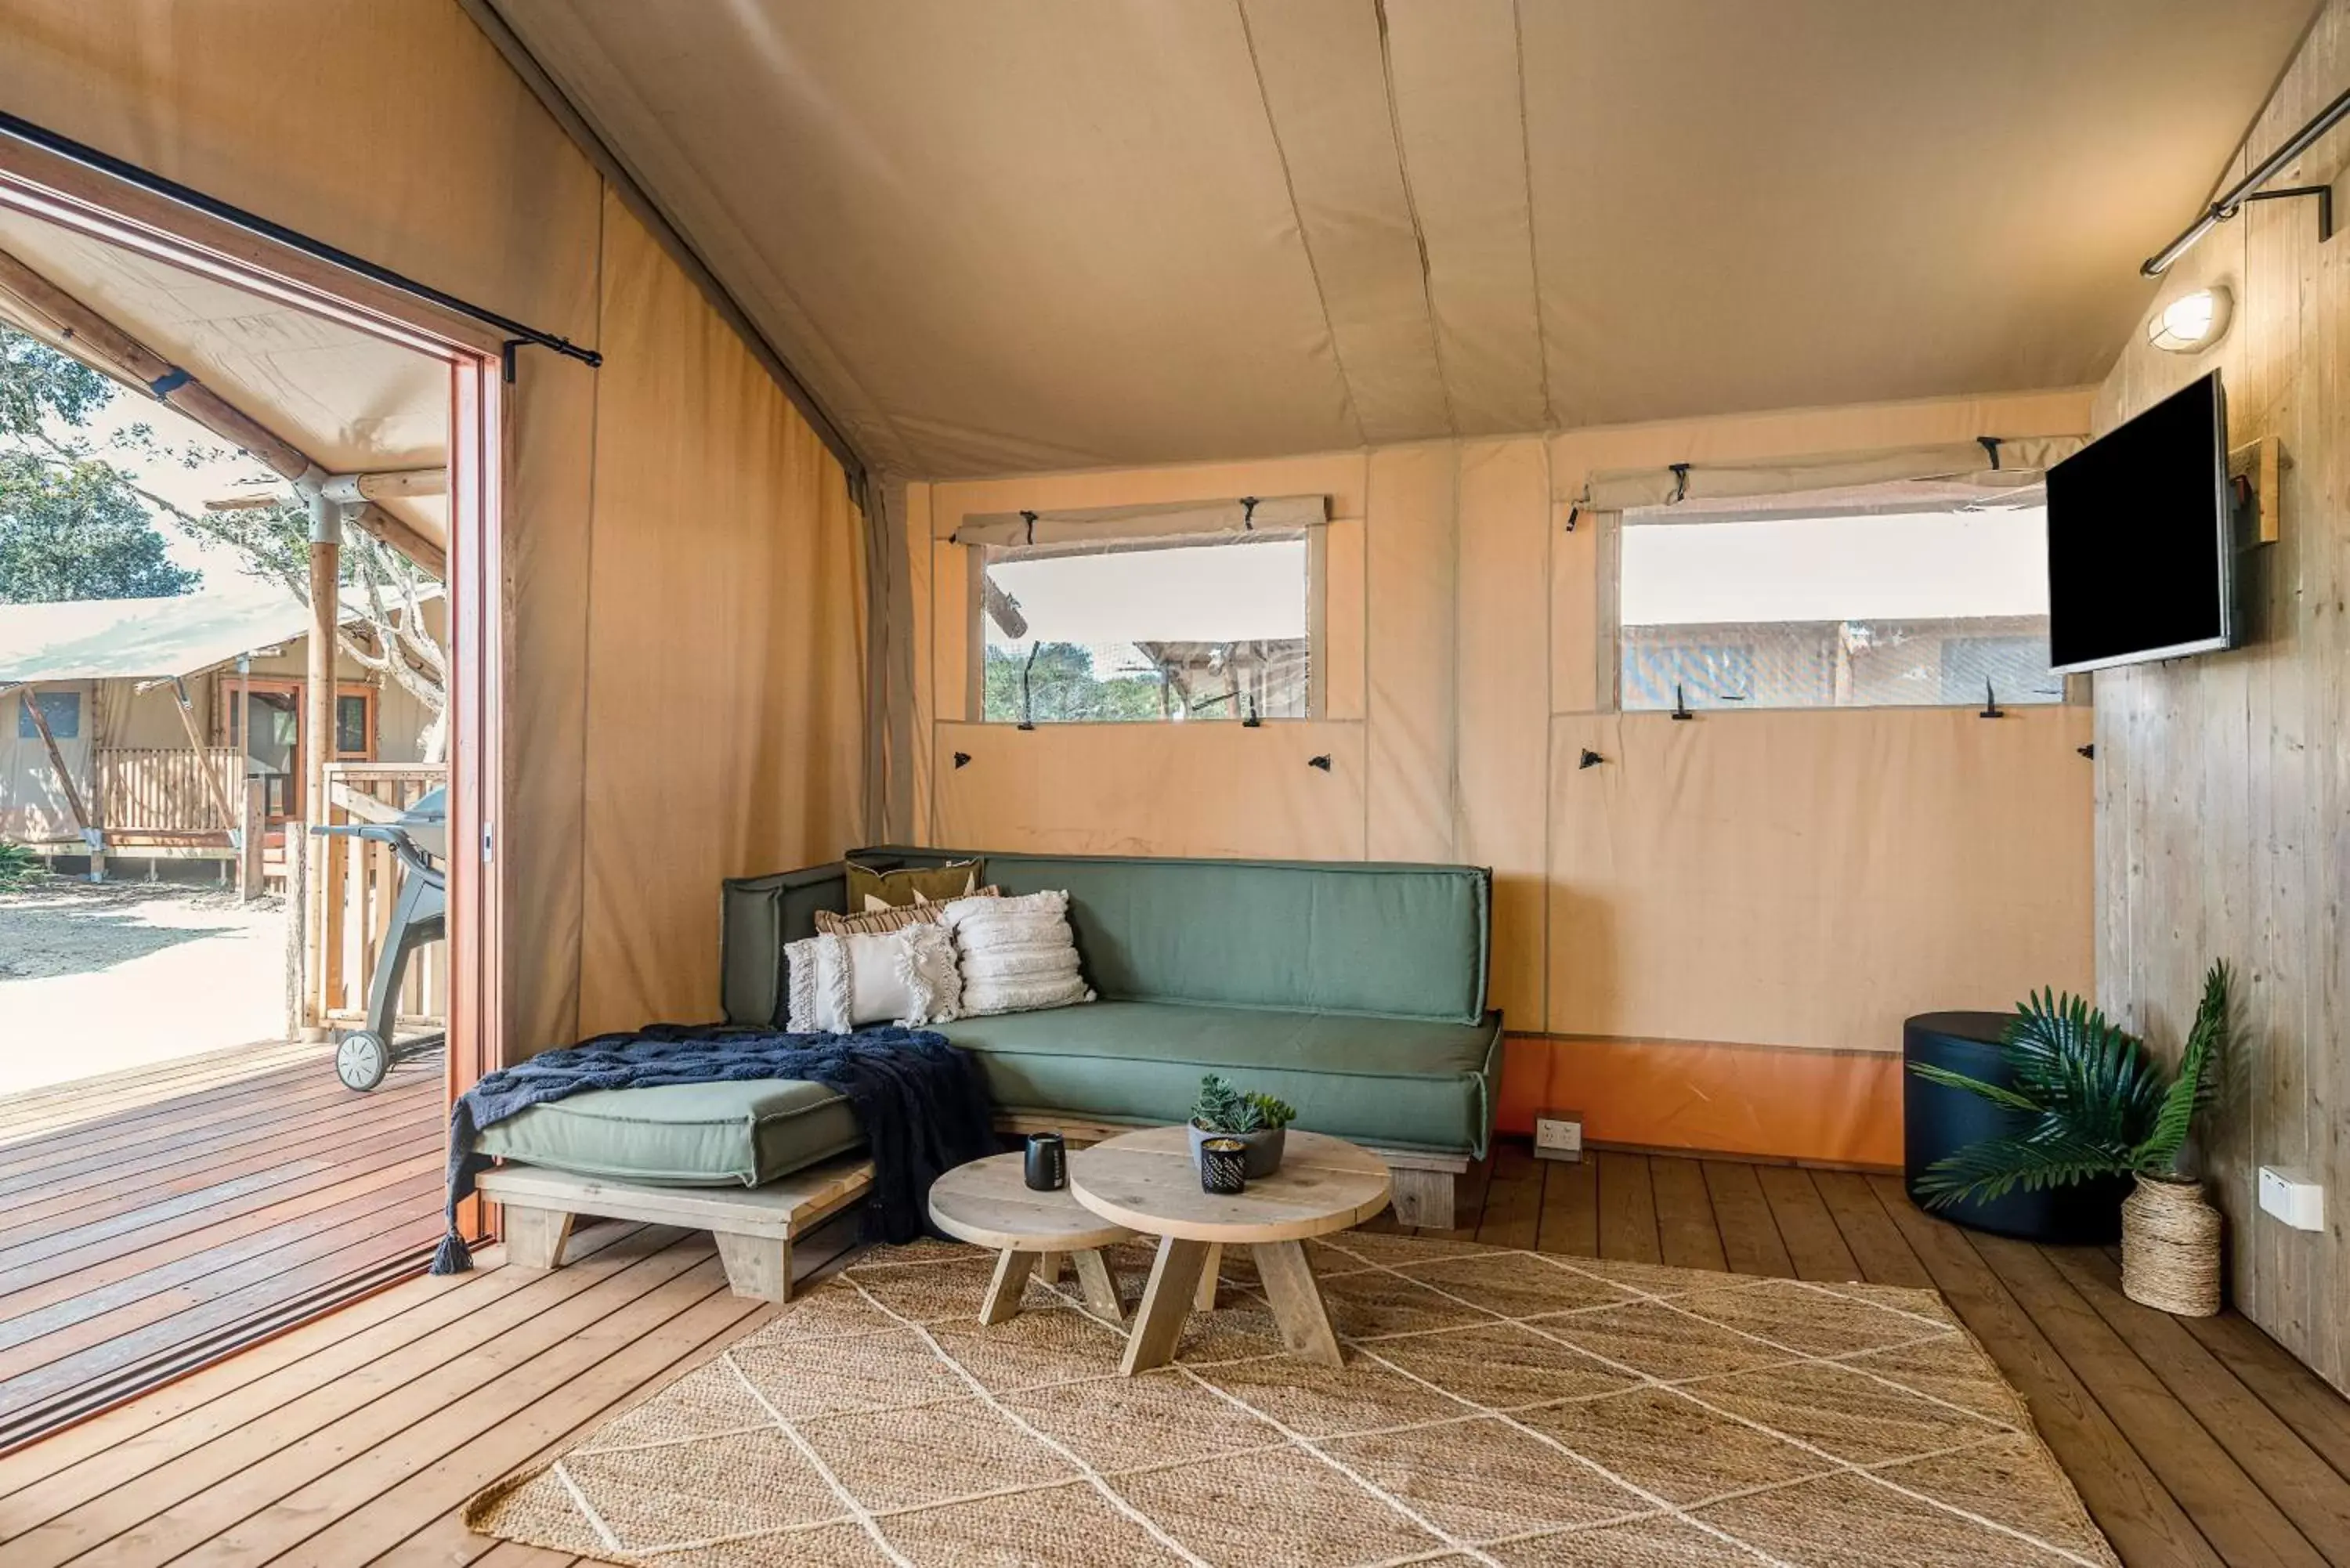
{"x": 56, "y": 758}
{"x": 212, "y": 786}
{"x": 91, "y": 337}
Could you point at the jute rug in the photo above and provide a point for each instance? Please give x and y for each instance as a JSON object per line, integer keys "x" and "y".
{"x": 1498, "y": 1407}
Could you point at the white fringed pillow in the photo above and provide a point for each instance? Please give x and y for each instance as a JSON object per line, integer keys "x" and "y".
{"x": 1016, "y": 955}
{"x": 837, "y": 983}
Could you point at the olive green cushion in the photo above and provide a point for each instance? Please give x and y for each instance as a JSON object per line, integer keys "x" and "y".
{"x": 1399, "y": 1082}
{"x": 1389, "y": 940}
{"x": 686, "y": 1135}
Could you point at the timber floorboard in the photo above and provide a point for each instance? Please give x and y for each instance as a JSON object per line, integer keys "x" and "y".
{"x": 152, "y": 1219}
{"x": 356, "y": 1439}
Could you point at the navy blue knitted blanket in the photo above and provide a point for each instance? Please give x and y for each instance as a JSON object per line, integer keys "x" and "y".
{"x": 921, "y": 1102}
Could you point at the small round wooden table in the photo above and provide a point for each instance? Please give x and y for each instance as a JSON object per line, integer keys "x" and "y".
{"x": 1145, "y": 1181}
{"x": 990, "y": 1204}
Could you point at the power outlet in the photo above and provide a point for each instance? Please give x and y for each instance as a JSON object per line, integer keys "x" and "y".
{"x": 2292, "y": 1197}
{"x": 1558, "y": 1135}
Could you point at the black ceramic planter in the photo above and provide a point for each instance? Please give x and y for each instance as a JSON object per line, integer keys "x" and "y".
{"x": 1939, "y": 1121}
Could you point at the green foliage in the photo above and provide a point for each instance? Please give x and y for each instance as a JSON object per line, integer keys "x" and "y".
{"x": 78, "y": 532}
{"x": 2094, "y": 1100}
{"x": 1224, "y": 1107}
{"x": 1063, "y": 688}
{"x": 72, "y": 526}
{"x": 17, "y": 865}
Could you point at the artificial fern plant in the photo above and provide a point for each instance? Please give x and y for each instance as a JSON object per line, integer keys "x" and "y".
{"x": 2098, "y": 1101}
{"x": 1222, "y": 1108}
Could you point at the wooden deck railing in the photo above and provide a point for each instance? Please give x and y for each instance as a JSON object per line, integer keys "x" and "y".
{"x": 162, "y": 789}
{"x": 362, "y": 881}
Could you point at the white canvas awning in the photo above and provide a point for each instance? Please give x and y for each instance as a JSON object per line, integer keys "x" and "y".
{"x": 147, "y": 639}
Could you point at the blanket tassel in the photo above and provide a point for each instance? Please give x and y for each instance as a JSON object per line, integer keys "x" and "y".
{"x": 452, "y": 1256}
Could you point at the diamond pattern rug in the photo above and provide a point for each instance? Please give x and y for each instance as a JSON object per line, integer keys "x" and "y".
{"x": 1500, "y": 1407}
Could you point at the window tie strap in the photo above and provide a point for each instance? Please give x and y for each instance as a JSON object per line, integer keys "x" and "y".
{"x": 1030, "y": 518}
{"x": 1248, "y": 514}
{"x": 1680, "y": 485}
{"x": 1990, "y": 445}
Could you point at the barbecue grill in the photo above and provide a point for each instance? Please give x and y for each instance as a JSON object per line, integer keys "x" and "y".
{"x": 419, "y": 838}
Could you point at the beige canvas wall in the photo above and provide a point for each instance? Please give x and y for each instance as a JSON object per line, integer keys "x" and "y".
{"x": 1801, "y": 881}
{"x": 398, "y": 133}
{"x": 2221, "y": 796}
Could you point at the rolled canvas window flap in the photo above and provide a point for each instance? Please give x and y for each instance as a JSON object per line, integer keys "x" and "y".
{"x": 1990, "y": 465}
{"x": 1239, "y": 515}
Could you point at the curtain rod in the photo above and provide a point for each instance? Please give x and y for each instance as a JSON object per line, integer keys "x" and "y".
{"x": 2233, "y": 201}
{"x": 148, "y": 180}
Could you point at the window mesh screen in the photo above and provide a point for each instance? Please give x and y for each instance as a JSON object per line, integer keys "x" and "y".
{"x": 1873, "y": 610}
{"x": 1158, "y": 631}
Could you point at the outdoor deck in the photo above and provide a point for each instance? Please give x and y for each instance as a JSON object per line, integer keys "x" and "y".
{"x": 152, "y": 1219}
{"x": 356, "y": 1439}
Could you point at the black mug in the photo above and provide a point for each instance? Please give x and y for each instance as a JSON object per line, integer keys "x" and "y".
{"x": 1224, "y": 1166}
{"x": 1048, "y": 1162}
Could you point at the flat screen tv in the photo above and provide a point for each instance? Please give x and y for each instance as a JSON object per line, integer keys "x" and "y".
{"x": 2142, "y": 538}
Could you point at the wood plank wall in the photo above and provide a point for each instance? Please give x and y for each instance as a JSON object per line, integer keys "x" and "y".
{"x": 2222, "y": 781}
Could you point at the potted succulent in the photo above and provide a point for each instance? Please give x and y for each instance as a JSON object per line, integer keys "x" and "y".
{"x": 2094, "y": 1102}
{"x": 1258, "y": 1121}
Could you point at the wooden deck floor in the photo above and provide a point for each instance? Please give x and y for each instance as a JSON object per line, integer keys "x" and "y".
{"x": 354, "y": 1439}
{"x": 150, "y": 1219}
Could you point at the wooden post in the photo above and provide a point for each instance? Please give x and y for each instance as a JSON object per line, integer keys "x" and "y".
{"x": 298, "y": 937}
{"x": 319, "y": 743}
{"x": 253, "y": 836}
{"x": 212, "y": 785}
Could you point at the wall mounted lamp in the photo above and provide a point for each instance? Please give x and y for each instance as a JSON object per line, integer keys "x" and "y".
{"x": 2192, "y": 322}
{"x": 2247, "y": 188}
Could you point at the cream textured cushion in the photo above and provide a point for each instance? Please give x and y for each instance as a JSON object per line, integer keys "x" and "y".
{"x": 839, "y": 983}
{"x": 1015, "y": 954}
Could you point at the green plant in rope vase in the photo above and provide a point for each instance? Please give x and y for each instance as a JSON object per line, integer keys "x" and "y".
{"x": 2098, "y": 1103}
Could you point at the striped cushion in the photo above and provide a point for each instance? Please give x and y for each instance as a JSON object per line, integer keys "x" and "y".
{"x": 878, "y": 922}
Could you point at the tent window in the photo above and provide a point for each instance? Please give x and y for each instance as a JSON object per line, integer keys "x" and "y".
{"x": 1855, "y": 611}
{"x": 62, "y": 709}
{"x": 1183, "y": 629}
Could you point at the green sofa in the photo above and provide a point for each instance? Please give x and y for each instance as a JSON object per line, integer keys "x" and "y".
{"x": 1356, "y": 991}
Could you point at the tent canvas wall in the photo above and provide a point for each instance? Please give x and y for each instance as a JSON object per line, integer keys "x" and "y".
{"x": 682, "y": 553}
{"x": 1711, "y": 942}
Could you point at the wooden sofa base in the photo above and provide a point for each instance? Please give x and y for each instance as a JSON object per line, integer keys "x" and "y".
{"x": 753, "y": 1226}
{"x": 1422, "y": 1184}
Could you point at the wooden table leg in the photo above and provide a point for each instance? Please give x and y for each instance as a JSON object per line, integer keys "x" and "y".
{"x": 1012, "y": 1272}
{"x": 1100, "y": 1286}
{"x": 1205, "y": 1300}
{"x": 1048, "y": 1267}
{"x": 1288, "y": 1276}
{"x": 1165, "y": 1302}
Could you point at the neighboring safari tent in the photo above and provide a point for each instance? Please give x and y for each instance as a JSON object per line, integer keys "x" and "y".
{"x": 137, "y": 733}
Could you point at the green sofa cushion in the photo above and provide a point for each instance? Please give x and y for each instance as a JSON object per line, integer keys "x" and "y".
{"x": 685, "y": 1134}
{"x": 1398, "y": 1083}
{"x": 1364, "y": 938}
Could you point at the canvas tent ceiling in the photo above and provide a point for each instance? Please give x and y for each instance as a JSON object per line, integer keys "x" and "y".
{"x": 352, "y": 402}
{"x": 1022, "y": 234}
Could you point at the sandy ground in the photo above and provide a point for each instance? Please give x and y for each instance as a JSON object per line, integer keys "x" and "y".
{"x": 97, "y": 978}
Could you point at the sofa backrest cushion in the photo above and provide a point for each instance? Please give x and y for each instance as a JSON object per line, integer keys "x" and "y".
{"x": 1384, "y": 940}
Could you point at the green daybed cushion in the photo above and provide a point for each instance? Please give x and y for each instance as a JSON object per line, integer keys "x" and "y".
{"x": 1400, "y": 1083}
{"x": 1396, "y": 1082}
{"x": 683, "y": 1135}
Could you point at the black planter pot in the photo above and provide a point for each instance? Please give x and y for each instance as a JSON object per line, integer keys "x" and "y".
{"x": 1939, "y": 1121}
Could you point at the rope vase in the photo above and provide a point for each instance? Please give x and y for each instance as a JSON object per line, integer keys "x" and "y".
{"x": 2170, "y": 1247}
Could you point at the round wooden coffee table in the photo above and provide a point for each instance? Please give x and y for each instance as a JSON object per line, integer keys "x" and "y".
{"x": 989, "y": 1203}
{"x": 1145, "y": 1181}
